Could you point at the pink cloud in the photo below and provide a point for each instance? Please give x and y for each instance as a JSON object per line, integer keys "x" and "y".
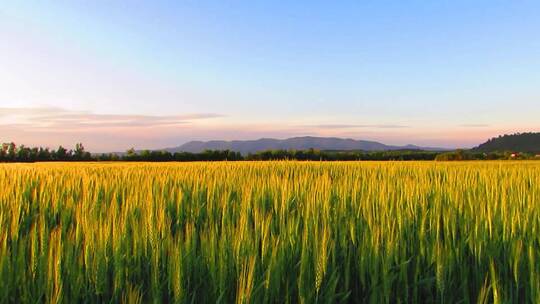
{"x": 61, "y": 120}
{"x": 49, "y": 126}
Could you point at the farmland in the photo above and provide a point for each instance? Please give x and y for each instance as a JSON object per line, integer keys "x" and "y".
{"x": 270, "y": 232}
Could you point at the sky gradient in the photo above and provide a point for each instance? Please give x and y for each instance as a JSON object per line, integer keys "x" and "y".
{"x": 158, "y": 74}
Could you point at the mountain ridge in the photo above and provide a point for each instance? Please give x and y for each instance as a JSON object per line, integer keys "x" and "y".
{"x": 293, "y": 143}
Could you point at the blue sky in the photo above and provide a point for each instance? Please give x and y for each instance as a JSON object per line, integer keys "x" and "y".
{"x": 440, "y": 73}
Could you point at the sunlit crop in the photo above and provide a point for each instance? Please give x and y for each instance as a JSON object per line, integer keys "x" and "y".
{"x": 270, "y": 232}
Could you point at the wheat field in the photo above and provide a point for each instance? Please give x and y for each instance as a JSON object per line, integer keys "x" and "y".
{"x": 270, "y": 232}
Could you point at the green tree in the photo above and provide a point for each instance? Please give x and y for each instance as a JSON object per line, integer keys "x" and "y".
{"x": 12, "y": 151}
{"x": 61, "y": 153}
{"x": 79, "y": 151}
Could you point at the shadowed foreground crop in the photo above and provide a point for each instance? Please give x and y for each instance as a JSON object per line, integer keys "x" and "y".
{"x": 270, "y": 232}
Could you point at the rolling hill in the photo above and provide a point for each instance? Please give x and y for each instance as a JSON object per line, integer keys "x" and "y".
{"x": 519, "y": 142}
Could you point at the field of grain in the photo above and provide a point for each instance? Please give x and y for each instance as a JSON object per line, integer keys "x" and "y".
{"x": 270, "y": 232}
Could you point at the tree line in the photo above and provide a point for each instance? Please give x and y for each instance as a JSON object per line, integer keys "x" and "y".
{"x": 10, "y": 152}
{"x": 227, "y": 155}
{"x": 474, "y": 154}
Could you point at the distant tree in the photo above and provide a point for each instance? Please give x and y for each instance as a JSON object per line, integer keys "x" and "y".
{"x": 79, "y": 151}
{"x": 3, "y": 152}
{"x": 80, "y": 154}
{"x": 145, "y": 155}
{"x": 130, "y": 153}
{"x": 61, "y": 153}
{"x": 108, "y": 157}
{"x": 23, "y": 154}
{"x": 459, "y": 155}
{"x": 43, "y": 154}
{"x": 12, "y": 151}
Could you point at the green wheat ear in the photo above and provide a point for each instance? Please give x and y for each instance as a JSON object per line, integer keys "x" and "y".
{"x": 267, "y": 232}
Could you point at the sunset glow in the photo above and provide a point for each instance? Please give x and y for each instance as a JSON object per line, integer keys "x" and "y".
{"x": 151, "y": 76}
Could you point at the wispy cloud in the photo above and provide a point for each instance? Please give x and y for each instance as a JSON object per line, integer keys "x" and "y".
{"x": 475, "y": 125}
{"x": 356, "y": 126}
{"x": 58, "y": 119}
{"x": 51, "y": 126}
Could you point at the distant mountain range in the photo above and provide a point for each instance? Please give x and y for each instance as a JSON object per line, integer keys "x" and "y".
{"x": 519, "y": 142}
{"x": 295, "y": 143}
